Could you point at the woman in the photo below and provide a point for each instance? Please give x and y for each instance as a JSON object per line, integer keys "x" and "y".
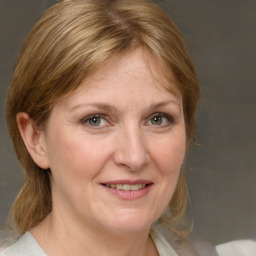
{"x": 101, "y": 112}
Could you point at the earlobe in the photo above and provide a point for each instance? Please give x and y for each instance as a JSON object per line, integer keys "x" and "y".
{"x": 34, "y": 139}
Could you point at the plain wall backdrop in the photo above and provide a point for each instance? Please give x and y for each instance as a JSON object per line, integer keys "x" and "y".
{"x": 221, "y": 37}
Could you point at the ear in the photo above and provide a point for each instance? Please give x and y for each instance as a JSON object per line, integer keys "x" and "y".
{"x": 34, "y": 139}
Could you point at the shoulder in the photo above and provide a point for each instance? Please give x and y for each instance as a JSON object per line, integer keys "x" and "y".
{"x": 237, "y": 248}
{"x": 25, "y": 246}
{"x": 164, "y": 238}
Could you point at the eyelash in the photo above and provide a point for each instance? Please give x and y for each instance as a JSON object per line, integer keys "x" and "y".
{"x": 87, "y": 119}
{"x": 169, "y": 118}
{"x": 104, "y": 117}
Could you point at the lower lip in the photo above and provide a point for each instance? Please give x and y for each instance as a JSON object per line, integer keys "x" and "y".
{"x": 129, "y": 195}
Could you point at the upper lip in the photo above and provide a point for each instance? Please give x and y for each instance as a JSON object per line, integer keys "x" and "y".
{"x": 130, "y": 182}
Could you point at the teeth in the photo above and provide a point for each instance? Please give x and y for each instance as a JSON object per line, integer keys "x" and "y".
{"x": 119, "y": 186}
{"x": 126, "y": 187}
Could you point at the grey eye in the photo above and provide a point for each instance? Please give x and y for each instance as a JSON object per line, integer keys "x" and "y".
{"x": 95, "y": 121}
{"x": 160, "y": 119}
{"x": 157, "y": 120}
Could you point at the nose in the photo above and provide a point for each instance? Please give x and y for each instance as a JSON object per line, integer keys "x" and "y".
{"x": 131, "y": 149}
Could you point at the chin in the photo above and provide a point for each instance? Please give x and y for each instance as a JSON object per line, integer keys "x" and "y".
{"x": 131, "y": 221}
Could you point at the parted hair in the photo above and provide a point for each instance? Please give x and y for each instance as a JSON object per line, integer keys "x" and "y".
{"x": 73, "y": 40}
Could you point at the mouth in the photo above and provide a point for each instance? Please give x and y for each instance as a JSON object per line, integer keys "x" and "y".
{"x": 128, "y": 190}
{"x": 126, "y": 187}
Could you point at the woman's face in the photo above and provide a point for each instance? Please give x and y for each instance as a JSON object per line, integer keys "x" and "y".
{"x": 115, "y": 147}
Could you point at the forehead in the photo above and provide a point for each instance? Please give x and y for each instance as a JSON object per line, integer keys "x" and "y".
{"x": 135, "y": 75}
{"x": 137, "y": 65}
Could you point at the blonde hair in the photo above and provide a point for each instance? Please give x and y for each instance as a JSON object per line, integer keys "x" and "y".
{"x": 72, "y": 41}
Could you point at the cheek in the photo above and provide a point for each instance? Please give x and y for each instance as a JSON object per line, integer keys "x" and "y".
{"x": 169, "y": 154}
{"x": 74, "y": 162}
{"x": 74, "y": 155}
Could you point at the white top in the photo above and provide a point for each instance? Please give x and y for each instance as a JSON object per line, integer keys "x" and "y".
{"x": 25, "y": 246}
{"x": 163, "y": 247}
{"x": 28, "y": 246}
{"x": 237, "y": 248}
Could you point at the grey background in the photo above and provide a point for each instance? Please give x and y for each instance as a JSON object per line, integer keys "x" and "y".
{"x": 221, "y": 36}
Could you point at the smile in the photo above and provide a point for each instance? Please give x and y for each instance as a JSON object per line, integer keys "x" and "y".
{"x": 126, "y": 187}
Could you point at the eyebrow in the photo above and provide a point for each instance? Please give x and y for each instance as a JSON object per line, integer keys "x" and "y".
{"x": 164, "y": 103}
{"x": 107, "y": 107}
{"x": 100, "y": 106}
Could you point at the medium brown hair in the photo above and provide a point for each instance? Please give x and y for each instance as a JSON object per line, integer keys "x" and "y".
{"x": 72, "y": 41}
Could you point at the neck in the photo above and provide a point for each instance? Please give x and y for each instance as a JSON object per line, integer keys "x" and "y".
{"x": 59, "y": 238}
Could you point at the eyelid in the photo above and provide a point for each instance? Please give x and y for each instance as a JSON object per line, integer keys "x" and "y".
{"x": 161, "y": 114}
{"x": 84, "y": 120}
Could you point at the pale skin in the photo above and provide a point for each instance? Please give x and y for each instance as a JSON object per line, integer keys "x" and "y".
{"x": 121, "y": 128}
